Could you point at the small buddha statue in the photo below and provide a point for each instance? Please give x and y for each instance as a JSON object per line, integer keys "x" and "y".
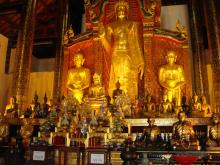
{"x": 96, "y": 91}
{"x": 196, "y": 106}
{"x": 152, "y": 132}
{"x": 213, "y": 138}
{"x": 183, "y": 133}
{"x": 150, "y": 105}
{"x": 165, "y": 106}
{"x": 4, "y": 129}
{"x": 26, "y": 131}
{"x": 205, "y": 107}
{"x": 97, "y": 94}
{"x": 46, "y": 106}
{"x": 171, "y": 78}
{"x": 117, "y": 91}
{"x": 36, "y": 107}
{"x": 11, "y": 110}
{"x": 78, "y": 78}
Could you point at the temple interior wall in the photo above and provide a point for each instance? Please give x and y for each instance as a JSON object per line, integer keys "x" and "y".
{"x": 3, "y": 76}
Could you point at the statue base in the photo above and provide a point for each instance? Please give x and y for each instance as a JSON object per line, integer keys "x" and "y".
{"x": 213, "y": 148}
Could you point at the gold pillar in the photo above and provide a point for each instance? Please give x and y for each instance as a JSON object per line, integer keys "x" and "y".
{"x": 199, "y": 73}
{"x": 24, "y": 53}
{"x": 62, "y": 24}
{"x": 212, "y": 22}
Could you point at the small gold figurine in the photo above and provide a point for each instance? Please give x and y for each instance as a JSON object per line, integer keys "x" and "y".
{"x": 78, "y": 78}
{"x": 97, "y": 94}
{"x": 11, "y": 109}
{"x": 205, "y": 107}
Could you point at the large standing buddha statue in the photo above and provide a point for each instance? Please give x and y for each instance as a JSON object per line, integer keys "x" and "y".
{"x": 121, "y": 39}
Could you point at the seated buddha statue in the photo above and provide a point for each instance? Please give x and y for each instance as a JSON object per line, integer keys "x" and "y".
{"x": 171, "y": 78}
{"x": 97, "y": 93}
{"x": 26, "y": 131}
{"x": 78, "y": 78}
{"x": 205, "y": 107}
{"x": 4, "y": 129}
{"x": 117, "y": 91}
{"x": 165, "y": 106}
{"x": 183, "y": 133}
{"x": 196, "y": 106}
{"x": 213, "y": 138}
{"x": 149, "y": 106}
{"x": 11, "y": 110}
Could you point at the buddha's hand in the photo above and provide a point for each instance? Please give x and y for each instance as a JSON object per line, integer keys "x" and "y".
{"x": 141, "y": 70}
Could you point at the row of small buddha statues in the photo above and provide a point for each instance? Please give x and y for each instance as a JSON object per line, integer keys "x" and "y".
{"x": 195, "y": 108}
{"x": 34, "y": 110}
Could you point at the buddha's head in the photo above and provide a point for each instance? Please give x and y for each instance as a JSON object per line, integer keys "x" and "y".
{"x": 78, "y": 60}
{"x": 121, "y": 9}
{"x": 151, "y": 121}
{"x": 203, "y": 100}
{"x": 215, "y": 118}
{"x": 117, "y": 85}
{"x": 12, "y": 100}
{"x": 97, "y": 79}
{"x": 195, "y": 97}
{"x": 181, "y": 116}
{"x": 171, "y": 57}
{"x": 164, "y": 98}
{"x": 148, "y": 98}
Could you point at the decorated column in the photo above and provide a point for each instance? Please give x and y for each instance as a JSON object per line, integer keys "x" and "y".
{"x": 213, "y": 31}
{"x": 200, "y": 85}
{"x": 24, "y": 53}
{"x": 62, "y": 24}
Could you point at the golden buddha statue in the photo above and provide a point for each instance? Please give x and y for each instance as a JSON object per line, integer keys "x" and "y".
{"x": 205, "y": 107}
{"x": 183, "y": 133}
{"x": 171, "y": 78}
{"x": 26, "y": 131}
{"x": 4, "y": 129}
{"x": 196, "y": 107}
{"x": 11, "y": 109}
{"x": 121, "y": 38}
{"x": 165, "y": 106}
{"x": 150, "y": 105}
{"x": 97, "y": 93}
{"x": 78, "y": 78}
{"x": 213, "y": 138}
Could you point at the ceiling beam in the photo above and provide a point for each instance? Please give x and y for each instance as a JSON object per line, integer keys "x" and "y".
{"x": 11, "y": 7}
